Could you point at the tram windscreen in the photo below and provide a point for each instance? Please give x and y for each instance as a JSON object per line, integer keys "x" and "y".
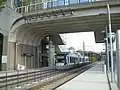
{"x": 73, "y": 1}
{"x": 60, "y": 61}
{"x": 61, "y": 2}
{"x": 60, "y": 58}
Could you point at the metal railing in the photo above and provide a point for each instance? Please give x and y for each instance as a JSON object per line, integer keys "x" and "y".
{"x": 52, "y": 4}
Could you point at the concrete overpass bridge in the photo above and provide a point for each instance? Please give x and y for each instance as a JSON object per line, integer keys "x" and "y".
{"x": 26, "y": 26}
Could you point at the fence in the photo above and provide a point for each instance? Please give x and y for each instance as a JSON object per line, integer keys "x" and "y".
{"x": 10, "y": 80}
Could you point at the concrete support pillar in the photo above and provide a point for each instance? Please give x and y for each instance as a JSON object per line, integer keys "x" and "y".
{"x": 5, "y": 45}
{"x": 19, "y": 57}
{"x": 118, "y": 56}
{"x": 35, "y": 56}
{"x": 4, "y": 53}
{"x": 11, "y": 56}
{"x": 51, "y": 60}
{"x": 40, "y": 55}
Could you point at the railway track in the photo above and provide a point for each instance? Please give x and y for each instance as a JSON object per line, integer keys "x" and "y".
{"x": 57, "y": 81}
{"x": 19, "y": 80}
{"x": 32, "y": 80}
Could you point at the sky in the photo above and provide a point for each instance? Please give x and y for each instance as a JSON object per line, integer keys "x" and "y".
{"x": 76, "y": 40}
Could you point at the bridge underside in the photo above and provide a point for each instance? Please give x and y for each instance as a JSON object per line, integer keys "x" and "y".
{"x": 96, "y": 23}
{"x": 74, "y": 18}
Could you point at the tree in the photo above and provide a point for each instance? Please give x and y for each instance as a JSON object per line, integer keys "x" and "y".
{"x": 71, "y": 49}
{"x": 2, "y": 2}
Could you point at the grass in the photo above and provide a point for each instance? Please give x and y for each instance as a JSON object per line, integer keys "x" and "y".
{"x": 2, "y": 2}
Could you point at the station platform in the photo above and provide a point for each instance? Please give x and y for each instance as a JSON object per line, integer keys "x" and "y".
{"x": 92, "y": 79}
{"x": 14, "y": 72}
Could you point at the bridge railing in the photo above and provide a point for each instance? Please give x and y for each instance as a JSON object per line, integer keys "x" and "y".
{"x": 21, "y": 9}
{"x": 34, "y": 7}
{"x": 52, "y": 4}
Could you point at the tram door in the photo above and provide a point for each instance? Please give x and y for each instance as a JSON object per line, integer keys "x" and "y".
{"x": 44, "y": 61}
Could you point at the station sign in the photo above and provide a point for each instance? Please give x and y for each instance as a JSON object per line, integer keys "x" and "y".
{"x": 28, "y": 54}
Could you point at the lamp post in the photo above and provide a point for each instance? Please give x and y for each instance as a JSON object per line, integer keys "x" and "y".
{"x": 111, "y": 47}
{"x": 84, "y": 51}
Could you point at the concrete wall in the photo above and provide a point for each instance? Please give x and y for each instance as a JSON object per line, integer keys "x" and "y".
{"x": 18, "y": 58}
{"x": 7, "y": 17}
{"x": 4, "y": 66}
{"x": 30, "y": 61}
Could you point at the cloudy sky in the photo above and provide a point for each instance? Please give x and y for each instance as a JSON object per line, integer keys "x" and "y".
{"x": 76, "y": 40}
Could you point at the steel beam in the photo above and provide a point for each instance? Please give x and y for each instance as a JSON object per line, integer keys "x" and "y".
{"x": 118, "y": 56}
{"x": 111, "y": 46}
{"x": 107, "y": 51}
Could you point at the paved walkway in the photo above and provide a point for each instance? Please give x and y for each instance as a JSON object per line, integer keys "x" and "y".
{"x": 93, "y": 79}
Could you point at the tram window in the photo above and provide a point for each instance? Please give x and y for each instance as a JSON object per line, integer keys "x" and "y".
{"x": 49, "y": 4}
{"x": 67, "y": 59}
{"x": 61, "y": 2}
{"x": 75, "y": 59}
{"x": 54, "y": 3}
{"x": 79, "y": 59}
{"x": 72, "y": 59}
{"x": 73, "y": 1}
{"x": 60, "y": 60}
{"x": 83, "y": 1}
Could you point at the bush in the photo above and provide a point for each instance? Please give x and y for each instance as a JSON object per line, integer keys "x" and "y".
{"x": 2, "y": 2}
{"x": 93, "y": 58}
